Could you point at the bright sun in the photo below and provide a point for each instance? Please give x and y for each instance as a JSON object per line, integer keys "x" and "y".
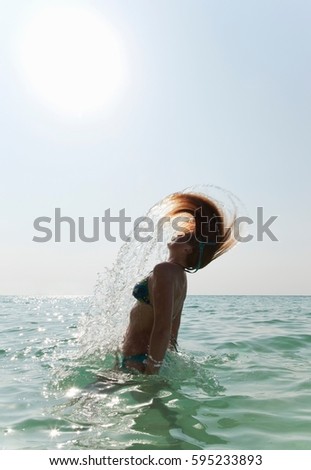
{"x": 73, "y": 59}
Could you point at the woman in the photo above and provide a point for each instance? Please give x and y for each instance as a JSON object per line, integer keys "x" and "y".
{"x": 155, "y": 317}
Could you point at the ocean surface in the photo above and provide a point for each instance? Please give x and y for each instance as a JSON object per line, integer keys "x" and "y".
{"x": 241, "y": 379}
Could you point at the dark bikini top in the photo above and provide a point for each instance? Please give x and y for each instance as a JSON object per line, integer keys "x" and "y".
{"x": 141, "y": 291}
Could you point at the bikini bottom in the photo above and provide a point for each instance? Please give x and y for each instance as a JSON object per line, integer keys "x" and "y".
{"x": 140, "y": 358}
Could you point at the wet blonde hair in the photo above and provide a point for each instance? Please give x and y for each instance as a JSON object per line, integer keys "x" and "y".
{"x": 207, "y": 228}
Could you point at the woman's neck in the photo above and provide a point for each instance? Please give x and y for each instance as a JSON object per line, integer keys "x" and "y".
{"x": 178, "y": 263}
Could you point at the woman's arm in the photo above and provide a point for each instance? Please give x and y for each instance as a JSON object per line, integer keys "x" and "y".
{"x": 163, "y": 306}
{"x": 174, "y": 331}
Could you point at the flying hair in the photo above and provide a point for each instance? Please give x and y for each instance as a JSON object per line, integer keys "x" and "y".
{"x": 206, "y": 227}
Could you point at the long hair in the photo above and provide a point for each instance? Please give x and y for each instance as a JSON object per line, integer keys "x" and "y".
{"x": 204, "y": 225}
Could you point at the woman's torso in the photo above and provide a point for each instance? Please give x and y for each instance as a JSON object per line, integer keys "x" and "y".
{"x": 137, "y": 336}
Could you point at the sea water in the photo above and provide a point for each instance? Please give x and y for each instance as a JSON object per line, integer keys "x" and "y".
{"x": 241, "y": 378}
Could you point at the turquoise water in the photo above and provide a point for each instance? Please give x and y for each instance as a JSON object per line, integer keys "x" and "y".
{"x": 242, "y": 379}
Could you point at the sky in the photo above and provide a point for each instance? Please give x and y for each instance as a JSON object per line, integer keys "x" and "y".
{"x": 116, "y": 104}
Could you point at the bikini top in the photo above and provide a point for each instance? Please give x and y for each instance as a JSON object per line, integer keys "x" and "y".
{"x": 141, "y": 291}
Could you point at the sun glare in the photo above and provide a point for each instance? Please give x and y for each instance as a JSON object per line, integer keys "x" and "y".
{"x": 73, "y": 59}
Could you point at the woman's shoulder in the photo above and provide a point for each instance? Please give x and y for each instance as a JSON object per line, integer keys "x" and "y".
{"x": 165, "y": 268}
